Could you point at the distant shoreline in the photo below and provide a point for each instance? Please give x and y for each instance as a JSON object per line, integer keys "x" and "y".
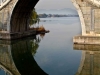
{"x": 56, "y": 15}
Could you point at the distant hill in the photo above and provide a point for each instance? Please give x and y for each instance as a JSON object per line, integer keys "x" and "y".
{"x": 57, "y": 11}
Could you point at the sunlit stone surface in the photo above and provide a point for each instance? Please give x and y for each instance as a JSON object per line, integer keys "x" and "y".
{"x": 89, "y": 13}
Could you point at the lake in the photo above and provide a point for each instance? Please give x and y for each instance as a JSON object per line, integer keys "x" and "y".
{"x": 55, "y": 54}
{"x": 46, "y": 54}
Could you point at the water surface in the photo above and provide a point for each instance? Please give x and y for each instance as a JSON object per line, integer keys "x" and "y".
{"x": 55, "y": 54}
{"x": 51, "y": 54}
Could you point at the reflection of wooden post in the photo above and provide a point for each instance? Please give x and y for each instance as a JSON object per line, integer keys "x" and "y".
{"x": 91, "y": 64}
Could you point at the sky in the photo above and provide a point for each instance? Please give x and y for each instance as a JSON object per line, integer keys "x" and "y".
{"x": 54, "y": 4}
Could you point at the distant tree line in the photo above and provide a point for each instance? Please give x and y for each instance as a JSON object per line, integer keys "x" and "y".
{"x": 55, "y": 15}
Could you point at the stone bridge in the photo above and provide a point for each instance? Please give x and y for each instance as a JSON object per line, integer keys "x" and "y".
{"x": 15, "y": 18}
{"x": 89, "y": 13}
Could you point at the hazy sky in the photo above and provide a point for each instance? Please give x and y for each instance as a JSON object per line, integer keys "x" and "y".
{"x": 54, "y": 4}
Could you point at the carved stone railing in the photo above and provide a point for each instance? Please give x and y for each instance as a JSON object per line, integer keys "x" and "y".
{"x": 3, "y": 3}
{"x": 94, "y": 2}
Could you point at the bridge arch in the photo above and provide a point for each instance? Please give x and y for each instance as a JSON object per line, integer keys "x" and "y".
{"x": 21, "y": 14}
{"x": 15, "y": 17}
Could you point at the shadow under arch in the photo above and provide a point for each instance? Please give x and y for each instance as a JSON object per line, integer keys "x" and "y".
{"x": 24, "y": 60}
{"x": 21, "y": 15}
{"x": 18, "y": 56}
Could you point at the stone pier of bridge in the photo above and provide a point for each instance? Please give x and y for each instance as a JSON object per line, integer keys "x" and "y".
{"x": 15, "y": 18}
{"x": 89, "y": 14}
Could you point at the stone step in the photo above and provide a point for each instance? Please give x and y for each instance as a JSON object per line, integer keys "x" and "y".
{"x": 87, "y": 40}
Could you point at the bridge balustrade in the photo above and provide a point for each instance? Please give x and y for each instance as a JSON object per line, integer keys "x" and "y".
{"x": 3, "y": 3}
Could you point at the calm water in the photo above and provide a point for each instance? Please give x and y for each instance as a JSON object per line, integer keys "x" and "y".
{"x": 55, "y": 54}
{"x": 51, "y": 54}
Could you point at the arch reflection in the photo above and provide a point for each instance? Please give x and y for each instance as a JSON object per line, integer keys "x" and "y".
{"x": 16, "y": 57}
{"x": 90, "y": 60}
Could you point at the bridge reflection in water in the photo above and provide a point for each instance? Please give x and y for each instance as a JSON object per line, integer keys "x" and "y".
{"x": 90, "y": 60}
{"x": 16, "y": 57}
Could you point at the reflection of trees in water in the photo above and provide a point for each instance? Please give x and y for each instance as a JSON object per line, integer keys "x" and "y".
{"x": 29, "y": 44}
{"x": 42, "y": 35}
{"x": 17, "y": 56}
{"x": 24, "y": 59}
{"x": 34, "y": 44}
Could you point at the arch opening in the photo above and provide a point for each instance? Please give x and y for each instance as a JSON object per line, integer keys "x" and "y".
{"x": 21, "y": 15}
